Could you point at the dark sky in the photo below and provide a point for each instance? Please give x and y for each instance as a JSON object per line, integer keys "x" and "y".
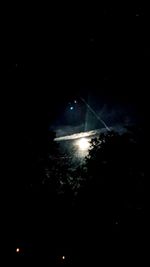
{"x": 101, "y": 55}
{"x": 102, "y": 52}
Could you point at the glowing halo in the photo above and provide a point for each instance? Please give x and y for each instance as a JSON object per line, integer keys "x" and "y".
{"x": 83, "y": 144}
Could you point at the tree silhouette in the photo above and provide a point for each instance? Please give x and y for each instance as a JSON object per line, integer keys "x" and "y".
{"x": 115, "y": 164}
{"x": 55, "y": 171}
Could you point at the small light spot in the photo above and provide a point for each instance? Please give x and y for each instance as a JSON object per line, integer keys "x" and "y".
{"x": 75, "y": 101}
{"x": 71, "y": 108}
{"x": 63, "y": 257}
{"x": 17, "y": 250}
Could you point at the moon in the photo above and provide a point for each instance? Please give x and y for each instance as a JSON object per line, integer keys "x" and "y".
{"x": 83, "y": 144}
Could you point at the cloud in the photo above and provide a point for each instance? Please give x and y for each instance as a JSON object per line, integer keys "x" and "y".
{"x": 77, "y": 135}
{"x": 116, "y": 117}
{"x": 119, "y": 128}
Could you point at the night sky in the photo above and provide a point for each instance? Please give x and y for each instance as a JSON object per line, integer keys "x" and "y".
{"x": 101, "y": 55}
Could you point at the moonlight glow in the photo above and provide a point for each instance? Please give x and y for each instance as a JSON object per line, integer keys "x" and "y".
{"x": 83, "y": 144}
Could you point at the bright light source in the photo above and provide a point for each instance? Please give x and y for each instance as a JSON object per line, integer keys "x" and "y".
{"x": 71, "y": 108}
{"x": 75, "y": 101}
{"x": 83, "y": 144}
{"x": 17, "y": 250}
{"x": 63, "y": 257}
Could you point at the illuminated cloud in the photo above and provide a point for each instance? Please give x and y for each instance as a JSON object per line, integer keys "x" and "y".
{"x": 77, "y": 135}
